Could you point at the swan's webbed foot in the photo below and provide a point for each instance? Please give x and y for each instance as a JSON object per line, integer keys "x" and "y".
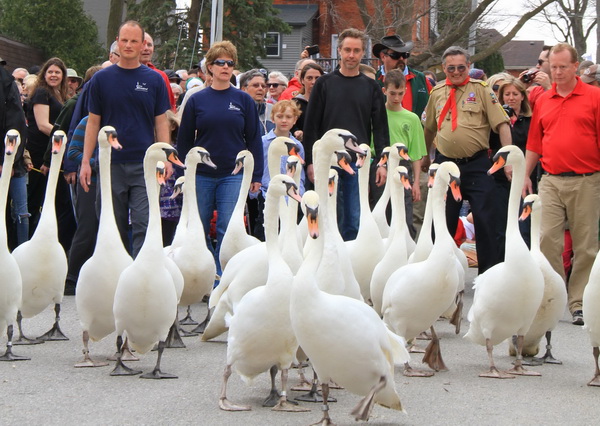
{"x": 9, "y": 356}
{"x": 494, "y": 373}
{"x": 202, "y": 326}
{"x": 226, "y": 405}
{"x": 272, "y": 399}
{"x": 290, "y": 406}
{"x": 54, "y": 334}
{"x": 411, "y": 372}
{"x": 122, "y": 370}
{"x": 518, "y": 370}
{"x": 314, "y": 395}
{"x": 174, "y": 340}
{"x": 89, "y": 362}
{"x": 188, "y": 320}
{"x": 433, "y": 355}
{"x": 157, "y": 374}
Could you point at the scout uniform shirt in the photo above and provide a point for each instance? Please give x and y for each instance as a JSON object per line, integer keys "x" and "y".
{"x": 478, "y": 111}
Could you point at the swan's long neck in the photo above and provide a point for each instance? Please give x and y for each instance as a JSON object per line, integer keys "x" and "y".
{"x": 238, "y": 210}
{"x": 4, "y": 183}
{"x": 536, "y": 223}
{"x": 363, "y": 185}
{"x": 107, "y": 225}
{"x": 271, "y": 229}
{"x": 513, "y": 236}
{"x": 398, "y": 208}
{"x": 427, "y": 221}
{"x": 153, "y": 239}
{"x": 442, "y": 235}
{"x": 321, "y": 162}
{"x": 47, "y": 221}
{"x": 190, "y": 201}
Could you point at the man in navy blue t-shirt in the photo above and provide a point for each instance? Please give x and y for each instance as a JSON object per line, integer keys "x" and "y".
{"x": 133, "y": 99}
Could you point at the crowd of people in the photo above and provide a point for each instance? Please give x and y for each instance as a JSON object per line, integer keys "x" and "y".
{"x": 463, "y": 119}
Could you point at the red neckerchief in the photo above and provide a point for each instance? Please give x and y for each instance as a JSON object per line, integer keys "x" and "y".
{"x": 451, "y": 104}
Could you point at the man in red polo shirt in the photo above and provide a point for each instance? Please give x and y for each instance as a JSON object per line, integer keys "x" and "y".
{"x": 564, "y": 134}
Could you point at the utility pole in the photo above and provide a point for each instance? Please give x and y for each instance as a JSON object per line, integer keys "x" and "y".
{"x": 216, "y": 22}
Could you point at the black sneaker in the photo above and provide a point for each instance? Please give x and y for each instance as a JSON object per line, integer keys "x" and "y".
{"x": 578, "y": 317}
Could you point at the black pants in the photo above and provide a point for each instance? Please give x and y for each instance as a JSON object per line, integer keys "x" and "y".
{"x": 478, "y": 188}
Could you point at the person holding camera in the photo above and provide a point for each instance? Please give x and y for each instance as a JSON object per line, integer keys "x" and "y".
{"x": 538, "y": 79}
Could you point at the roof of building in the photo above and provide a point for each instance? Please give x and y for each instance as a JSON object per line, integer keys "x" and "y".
{"x": 521, "y": 54}
{"x": 296, "y": 14}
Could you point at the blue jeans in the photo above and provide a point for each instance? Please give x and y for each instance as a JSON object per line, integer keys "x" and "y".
{"x": 348, "y": 203}
{"x": 220, "y": 194}
{"x": 19, "y": 212}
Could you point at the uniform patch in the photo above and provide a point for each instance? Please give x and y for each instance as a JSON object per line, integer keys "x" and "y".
{"x": 471, "y": 98}
{"x": 494, "y": 98}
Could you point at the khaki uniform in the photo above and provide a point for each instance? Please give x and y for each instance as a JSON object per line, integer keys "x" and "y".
{"x": 478, "y": 111}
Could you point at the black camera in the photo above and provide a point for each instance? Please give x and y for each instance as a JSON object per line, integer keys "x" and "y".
{"x": 529, "y": 76}
{"x": 509, "y": 111}
{"x": 313, "y": 50}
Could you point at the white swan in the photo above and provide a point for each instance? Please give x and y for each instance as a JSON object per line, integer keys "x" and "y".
{"x": 508, "y": 295}
{"x": 146, "y": 297}
{"x": 249, "y": 268}
{"x": 555, "y": 291}
{"x": 42, "y": 260}
{"x": 352, "y": 346}
{"x": 417, "y": 293}
{"x": 260, "y": 332}
{"x": 10, "y": 276}
{"x": 192, "y": 257}
{"x": 591, "y": 315}
{"x": 367, "y": 250}
{"x": 97, "y": 282}
{"x": 424, "y": 244}
{"x": 396, "y": 253}
{"x": 381, "y": 205}
{"x": 236, "y": 238}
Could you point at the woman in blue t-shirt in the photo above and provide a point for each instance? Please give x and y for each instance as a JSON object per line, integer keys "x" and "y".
{"x": 224, "y": 120}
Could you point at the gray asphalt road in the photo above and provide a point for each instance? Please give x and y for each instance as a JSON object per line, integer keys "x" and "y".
{"x": 49, "y": 390}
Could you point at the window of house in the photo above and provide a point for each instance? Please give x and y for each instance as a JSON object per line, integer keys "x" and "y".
{"x": 273, "y": 45}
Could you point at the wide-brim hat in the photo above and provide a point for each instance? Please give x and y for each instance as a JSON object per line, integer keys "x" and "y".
{"x": 71, "y": 73}
{"x": 393, "y": 42}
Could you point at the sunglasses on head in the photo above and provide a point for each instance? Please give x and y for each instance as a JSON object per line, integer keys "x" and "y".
{"x": 460, "y": 68}
{"x": 397, "y": 55}
{"x": 223, "y": 62}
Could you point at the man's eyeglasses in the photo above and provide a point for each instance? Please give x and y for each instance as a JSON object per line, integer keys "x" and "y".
{"x": 397, "y": 55}
{"x": 257, "y": 85}
{"x": 116, "y": 54}
{"x": 541, "y": 61}
{"x": 460, "y": 68}
{"x": 274, "y": 85}
{"x": 223, "y": 62}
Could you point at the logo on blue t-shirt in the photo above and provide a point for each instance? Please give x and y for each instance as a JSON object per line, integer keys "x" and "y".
{"x": 141, "y": 87}
{"x": 233, "y": 107}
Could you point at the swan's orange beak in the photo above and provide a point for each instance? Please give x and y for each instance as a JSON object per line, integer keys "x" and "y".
{"x": 527, "y": 209}
{"x": 431, "y": 178}
{"x": 455, "y": 188}
{"x": 360, "y": 159}
{"x": 291, "y": 166}
{"x": 295, "y": 150}
{"x": 499, "y": 162}
{"x": 403, "y": 152}
{"x": 383, "y": 160}
{"x": 405, "y": 181}
{"x": 331, "y": 185}
{"x": 173, "y": 158}
{"x": 10, "y": 143}
{"x": 239, "y": 165}
{"x": 161, "y": 173}
{"x": 344, "y": 161}
{"x": 292, "y": 191}
{"x": 111, "y": 137}
{"x": 312, "y": 219}
{"x": 57, "y": 141}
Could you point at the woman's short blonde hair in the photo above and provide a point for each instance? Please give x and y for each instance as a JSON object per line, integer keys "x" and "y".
{"x": 219, "y": 50}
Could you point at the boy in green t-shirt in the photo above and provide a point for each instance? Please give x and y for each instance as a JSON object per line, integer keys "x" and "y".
{"x": 405, "y": 127}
